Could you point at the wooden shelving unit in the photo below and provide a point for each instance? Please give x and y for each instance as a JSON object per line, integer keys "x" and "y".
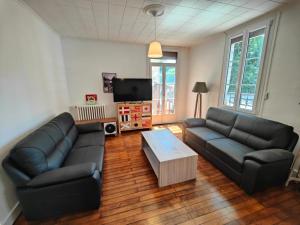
{"x": 134, "y": 116}
{"x": 104, "y": 120}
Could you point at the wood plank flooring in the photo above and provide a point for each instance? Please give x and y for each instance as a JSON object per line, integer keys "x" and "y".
{"x": 131, "y": 195}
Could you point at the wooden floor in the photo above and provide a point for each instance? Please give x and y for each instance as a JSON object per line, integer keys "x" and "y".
{"x": 131, "y": 195}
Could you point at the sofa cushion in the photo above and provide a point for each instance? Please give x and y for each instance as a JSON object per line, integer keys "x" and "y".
{"x": 53, "y": 131}
{"x": 57, "y": 157}
{"x": 220, "y": 120}
{"x": 72, "y": 135}
{"x": 229, "y": 151}
{"x": 90, "y": 139}
{"x": 259, "y": 133}
{"x": 31, "y": 153}
{"x": 46, "y": 148}
{"x": 87, "y": 154}
{"x": 64, "y": 122}
{"x": 204, "y": 134}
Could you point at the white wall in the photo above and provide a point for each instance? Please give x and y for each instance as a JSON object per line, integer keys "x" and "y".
{"x": 205, "y": 64}
{"x": 85, "y": 61}
{"x": 32, "y": 84}
{"x": 284, "y": 82}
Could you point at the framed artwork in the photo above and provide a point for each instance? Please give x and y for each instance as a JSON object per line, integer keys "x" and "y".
{"x": 91, "y": 99}
{"x": 107, "y": 82}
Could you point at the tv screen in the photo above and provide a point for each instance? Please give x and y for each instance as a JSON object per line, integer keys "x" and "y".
{"x": 132, "y": 90}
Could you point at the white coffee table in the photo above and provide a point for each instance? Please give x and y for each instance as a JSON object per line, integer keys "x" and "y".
{"x": 172, "y": 160}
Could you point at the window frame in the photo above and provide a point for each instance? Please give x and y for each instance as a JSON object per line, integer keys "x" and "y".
{"x": 164, "y": 65}
{"x": 267, "y": 25}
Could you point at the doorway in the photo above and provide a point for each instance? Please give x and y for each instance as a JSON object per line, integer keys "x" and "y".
{"x": 163, "y": 73}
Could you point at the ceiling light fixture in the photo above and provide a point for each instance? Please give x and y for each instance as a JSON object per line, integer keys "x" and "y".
{"x": 154, "y": 10}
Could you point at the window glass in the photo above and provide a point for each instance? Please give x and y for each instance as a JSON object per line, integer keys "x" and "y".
{"x": 170, "y": 89}
{"x": 251, "y": 69}
{"x": 157, "y": 89}
{"x": 233, "y": 71}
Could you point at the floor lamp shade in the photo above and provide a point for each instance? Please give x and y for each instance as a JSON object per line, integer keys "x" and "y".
{"x": 199, "y": 88}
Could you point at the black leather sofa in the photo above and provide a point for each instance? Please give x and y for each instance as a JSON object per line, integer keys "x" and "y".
{"x": 57, "y": 169}
{"x": 254, "y": 152}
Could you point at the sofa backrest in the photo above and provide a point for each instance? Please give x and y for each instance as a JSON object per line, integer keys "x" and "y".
{"x": 260, "y": 133}
{"x": 220, "y": 120}
{"x": 46, "y": 148}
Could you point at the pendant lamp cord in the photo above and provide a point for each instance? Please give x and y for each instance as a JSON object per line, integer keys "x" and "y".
{"x": 155, "y": 27}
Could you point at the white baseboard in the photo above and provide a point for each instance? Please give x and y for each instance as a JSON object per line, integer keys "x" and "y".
{"x": 12, "y": 215}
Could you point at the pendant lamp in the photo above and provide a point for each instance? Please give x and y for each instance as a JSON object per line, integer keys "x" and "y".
{"x": 154, "y": 50}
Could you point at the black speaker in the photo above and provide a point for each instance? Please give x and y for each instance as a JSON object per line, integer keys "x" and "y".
{"x": 110, "y": 128}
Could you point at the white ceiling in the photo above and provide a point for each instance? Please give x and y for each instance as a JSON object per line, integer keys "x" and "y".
{"x": 184, "y": 23}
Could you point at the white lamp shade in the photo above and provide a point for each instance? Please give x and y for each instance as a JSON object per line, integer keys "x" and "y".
{"x": 154, "y": 50}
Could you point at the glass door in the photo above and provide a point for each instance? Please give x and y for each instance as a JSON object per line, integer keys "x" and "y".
{"x": 163, "y": 92}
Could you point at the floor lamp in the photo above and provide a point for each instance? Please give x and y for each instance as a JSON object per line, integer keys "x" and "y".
{"x": 199, "y": 88}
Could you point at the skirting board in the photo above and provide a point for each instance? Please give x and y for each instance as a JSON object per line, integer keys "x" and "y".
{"x": 12, "y": 215}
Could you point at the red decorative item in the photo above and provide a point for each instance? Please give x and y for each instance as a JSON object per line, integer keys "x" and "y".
{"x": 147, "y": 109}
{"x": 136, "y": 109}
{"x": 124, "y": 110}
{"x": 135, "y": 117}
{"x": 91, "y": 99}
{"x": 146, "y": 121}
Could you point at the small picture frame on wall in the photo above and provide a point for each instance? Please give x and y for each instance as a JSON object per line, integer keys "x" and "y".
{"x": 107, "y": 82}
{"x": 91, "y": 99}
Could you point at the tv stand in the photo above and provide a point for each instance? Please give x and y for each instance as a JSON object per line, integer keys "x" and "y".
{"x": 134, "y": 116}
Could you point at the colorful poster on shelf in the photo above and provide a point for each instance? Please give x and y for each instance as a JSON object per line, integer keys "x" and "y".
{"x": 146, "y": 122}
{"x": 125, "y": 126}
{"x": 147, "y": 109}
{"x": 124, "y": 110}
{"x": 136, "y": 109}
{"x": 124, "y": 118}
{"x": 135, "y": 116}
{"x": 136, "y": 124}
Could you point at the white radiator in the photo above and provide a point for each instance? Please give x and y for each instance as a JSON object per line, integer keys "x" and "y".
{"x": 90, "y": 112}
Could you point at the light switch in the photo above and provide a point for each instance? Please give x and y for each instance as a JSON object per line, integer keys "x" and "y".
{"x": 266, "y": 96}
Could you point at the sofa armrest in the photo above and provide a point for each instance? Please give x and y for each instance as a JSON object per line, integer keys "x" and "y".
{"x": 17, "y": 175}
{"x": 269, "y": 156}
{"x": 194, "y": 122}
{"x": 89, "y": 127}
{"x": 63, "y": 174}
{"x": 265, "y": 168}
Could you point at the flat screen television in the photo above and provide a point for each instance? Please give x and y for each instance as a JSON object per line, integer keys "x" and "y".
{"x": 127, "y": 90}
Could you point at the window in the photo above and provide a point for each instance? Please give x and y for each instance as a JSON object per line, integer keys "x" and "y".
{"x": 242, "y": 75}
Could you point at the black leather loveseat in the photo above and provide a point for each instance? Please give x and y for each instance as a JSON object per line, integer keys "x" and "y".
{"x": 252, "y": 151}
{"x": 58, "y": 168}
